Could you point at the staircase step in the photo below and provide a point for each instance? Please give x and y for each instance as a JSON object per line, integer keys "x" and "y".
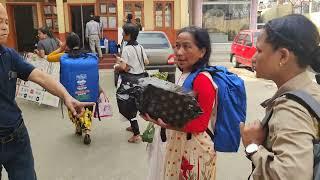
{"x": 106, "y": 66}
{"x": 108, "y": 61}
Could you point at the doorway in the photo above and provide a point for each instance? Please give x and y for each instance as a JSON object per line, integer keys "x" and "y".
{"x": 25, "y": 27}
{"x": 80, "y": 15}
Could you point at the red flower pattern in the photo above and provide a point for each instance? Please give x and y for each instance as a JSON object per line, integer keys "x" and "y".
{"x": 185, "y": 167}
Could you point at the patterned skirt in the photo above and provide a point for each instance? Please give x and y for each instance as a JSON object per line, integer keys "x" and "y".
{"x": 193, "y": 159}
{"x": 85, "y": 121}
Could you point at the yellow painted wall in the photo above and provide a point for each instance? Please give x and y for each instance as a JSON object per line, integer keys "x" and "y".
{"x": 3, "y": 2}
{"x": 177, "y": 14}
{"x": 120, "y": 13}
{"x": 66, "y": 17}
{"x": 181, "y": 16}
{"x": 81, "y": 1}
{"x": 184, "y": 18}
{"x": 39, "y": 13}
{"x": 148, "y": 15}
{"x": 60, "y": 13}
{"x": 277, "y": 11}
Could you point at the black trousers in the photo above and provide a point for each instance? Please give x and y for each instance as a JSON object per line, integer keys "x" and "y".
{"x": 135, "y": 127}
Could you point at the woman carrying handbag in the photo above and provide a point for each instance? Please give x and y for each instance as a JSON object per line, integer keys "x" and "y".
{"x": 131, "y": 66}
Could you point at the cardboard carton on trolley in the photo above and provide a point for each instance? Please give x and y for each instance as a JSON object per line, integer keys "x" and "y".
{"x": 33, "y": 92}
{"x": 22, "y": 92}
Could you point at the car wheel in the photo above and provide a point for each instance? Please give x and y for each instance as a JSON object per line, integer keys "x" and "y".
{"x": 234, "y": 62}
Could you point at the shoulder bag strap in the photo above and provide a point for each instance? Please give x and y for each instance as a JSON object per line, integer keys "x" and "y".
{"x": 301, "y": 97}
{"x": 139, "y": 59}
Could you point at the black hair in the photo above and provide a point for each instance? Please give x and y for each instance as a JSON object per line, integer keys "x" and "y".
{"x": 299, "y": 35}
{"x": 132, "y": 30}
{"x": 73, "y": 44}
{"x": 129, "y": 18}
{"x": 202, "y": 41}
{"x": 46, "y": 31}
{"x": 97, "y": 19}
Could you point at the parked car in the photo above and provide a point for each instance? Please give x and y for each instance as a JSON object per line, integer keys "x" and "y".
{"x": 158, "y": 50}
{"x": 243, "y": 48}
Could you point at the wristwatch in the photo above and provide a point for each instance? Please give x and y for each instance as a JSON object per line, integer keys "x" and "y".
{"x": 251, "y": 149}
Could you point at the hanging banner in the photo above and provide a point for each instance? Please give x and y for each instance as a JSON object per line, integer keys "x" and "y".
{"x": 32, "y": 91}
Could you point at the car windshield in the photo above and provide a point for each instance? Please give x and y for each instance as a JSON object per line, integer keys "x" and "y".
{"x": 255, "y": 37}
{"x": 153, "y": 41}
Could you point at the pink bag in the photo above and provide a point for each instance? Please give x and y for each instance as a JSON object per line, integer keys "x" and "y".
{"x": 103, "y": 106}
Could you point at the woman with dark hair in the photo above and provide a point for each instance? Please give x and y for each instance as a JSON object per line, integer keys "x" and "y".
{"x": 281, "y": 146}
{"x": 72, "y": 48}
{"x": 194, "y": 157}
{"x": 47, "y": 42}
{"x": 138, "y": 23}
{"x": 131, "y": 67}
{"x": 129, "y": 18}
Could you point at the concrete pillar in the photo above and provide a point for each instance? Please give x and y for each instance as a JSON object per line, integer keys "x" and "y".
{"x": 39, "y": 14}
{"x": 197, "y": 13}
{"x": 148, "y": 15}
{"x": 184, "y": 14}
{"x": 60, "y": 18}
{"x": 253, "y": 14}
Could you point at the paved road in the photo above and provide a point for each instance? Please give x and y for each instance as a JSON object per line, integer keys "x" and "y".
{"x": 60, "y": 155}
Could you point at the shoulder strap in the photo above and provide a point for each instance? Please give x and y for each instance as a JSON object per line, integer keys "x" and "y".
{"x": 306, "y": 100}
{"x": 303, "y": 98}
{"x": 139, "y": 59}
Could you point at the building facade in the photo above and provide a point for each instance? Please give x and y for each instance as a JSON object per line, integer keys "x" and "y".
{"x": 63, "y": 16}
{"x": 223, "y": 18}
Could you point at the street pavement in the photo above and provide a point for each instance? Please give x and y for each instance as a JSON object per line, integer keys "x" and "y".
{"x": 60, "y": 155}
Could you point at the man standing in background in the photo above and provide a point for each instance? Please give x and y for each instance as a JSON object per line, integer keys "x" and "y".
{"x": 93, "y": 34}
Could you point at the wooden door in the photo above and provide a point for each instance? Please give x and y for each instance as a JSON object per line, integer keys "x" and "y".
{"x": 163, "y": 18}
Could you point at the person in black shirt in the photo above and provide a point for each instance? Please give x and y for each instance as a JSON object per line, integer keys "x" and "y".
{"x": 15, "y": 151}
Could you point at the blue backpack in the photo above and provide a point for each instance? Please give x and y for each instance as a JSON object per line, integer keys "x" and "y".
{"x": 80, "y": 76}
{"x": 231, "y": 110}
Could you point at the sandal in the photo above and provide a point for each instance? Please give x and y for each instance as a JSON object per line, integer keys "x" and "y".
{"x": 135, "y": 139}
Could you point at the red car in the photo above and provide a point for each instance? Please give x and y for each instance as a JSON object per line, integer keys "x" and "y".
{"x": 243, "y": 48}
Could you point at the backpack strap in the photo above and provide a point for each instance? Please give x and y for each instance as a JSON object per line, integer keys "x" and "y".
{"x": 306, "y": 100}
{"x": 301, "y": 97}
{"x": 209, "y": 75}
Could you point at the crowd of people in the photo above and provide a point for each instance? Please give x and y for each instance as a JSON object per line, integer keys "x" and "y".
{"x": 280, "y": 147}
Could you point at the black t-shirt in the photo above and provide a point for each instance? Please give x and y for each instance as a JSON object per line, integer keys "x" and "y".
{"x": 12, "y": 66}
